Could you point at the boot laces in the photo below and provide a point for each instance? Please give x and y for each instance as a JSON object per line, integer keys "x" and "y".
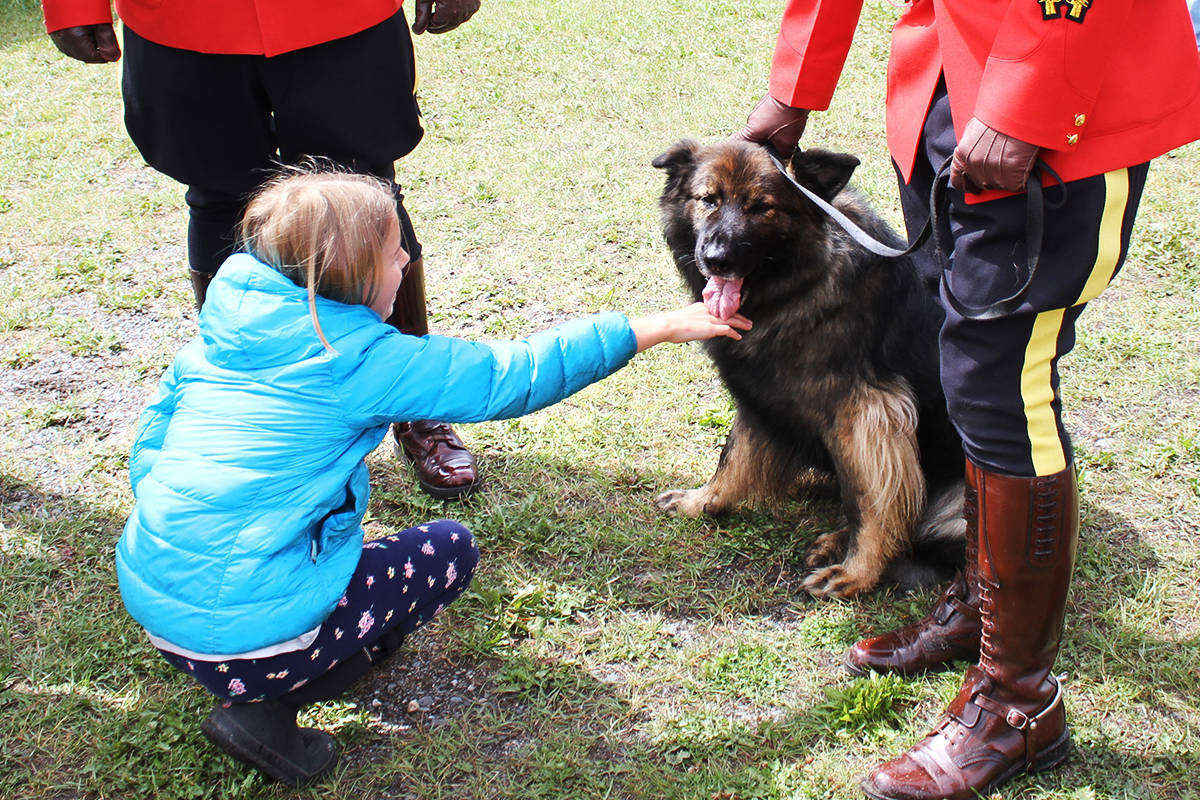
{"x": 1045, "y": 534}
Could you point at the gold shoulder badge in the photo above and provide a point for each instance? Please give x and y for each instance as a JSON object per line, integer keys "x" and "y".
{"x": 1076, "y": 9}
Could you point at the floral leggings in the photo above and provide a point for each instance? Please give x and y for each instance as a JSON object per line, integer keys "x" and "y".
{"x": 402, "y": 581}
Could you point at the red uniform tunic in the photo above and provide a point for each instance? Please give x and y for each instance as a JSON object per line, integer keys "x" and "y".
{"x": 252, "y": 27}
{"x": 1098, "y": 84}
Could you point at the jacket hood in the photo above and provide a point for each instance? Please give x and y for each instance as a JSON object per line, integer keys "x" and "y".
{"x": 255, "y": 317}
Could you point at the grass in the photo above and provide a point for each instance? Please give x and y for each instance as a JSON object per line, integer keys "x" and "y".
{"x": 605, "y": 651}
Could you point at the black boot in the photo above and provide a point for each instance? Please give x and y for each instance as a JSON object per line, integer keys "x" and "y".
{"x": 200, "y": 281}
{"x": 265, "y": 736}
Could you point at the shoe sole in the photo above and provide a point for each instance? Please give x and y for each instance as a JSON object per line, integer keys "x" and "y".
{"x": 1048, "y": 759}
{"x": 864, "y": 672}
{"x": 454, "y": 493}
{"x": 851, "y": 667}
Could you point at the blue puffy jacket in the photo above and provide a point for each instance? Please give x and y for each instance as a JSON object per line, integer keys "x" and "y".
{"x": 248, "y": 467}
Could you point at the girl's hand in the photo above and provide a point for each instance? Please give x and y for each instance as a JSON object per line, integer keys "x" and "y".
{"x": 687, "y": 324}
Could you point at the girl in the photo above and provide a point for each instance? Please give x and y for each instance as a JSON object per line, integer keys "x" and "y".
{"x": 244, "y": 556}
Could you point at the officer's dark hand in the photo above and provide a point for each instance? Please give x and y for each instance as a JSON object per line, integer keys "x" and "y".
{"x": 773, "y": 122}
{"x": 439, "y": 16}
{"x": 91, "y": 44}
{"x": 985, "y": 158}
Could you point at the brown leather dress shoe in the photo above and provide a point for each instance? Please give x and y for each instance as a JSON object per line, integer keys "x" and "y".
{"x": 445, "y": 468}
{"x": 950, "y": 632}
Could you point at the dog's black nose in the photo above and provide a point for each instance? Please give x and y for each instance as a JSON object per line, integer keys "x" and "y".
{"x": 715, "y": 256}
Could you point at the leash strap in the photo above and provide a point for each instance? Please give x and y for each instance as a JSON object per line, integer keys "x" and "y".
{"x": 938, "y": 225}
{"x": 1035, "y": 228}
{"x": 866, "y": 240}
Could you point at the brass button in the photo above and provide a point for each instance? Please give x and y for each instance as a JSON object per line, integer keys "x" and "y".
{"x": 1073, "y": 138}
{"x": 1080, "y": 119}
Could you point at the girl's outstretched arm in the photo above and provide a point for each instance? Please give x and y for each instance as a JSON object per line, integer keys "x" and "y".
{"x": 435, "y": 377}
{"x": 687, "y": 324}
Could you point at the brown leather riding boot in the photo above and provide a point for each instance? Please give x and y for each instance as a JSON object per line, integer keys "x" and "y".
{"x": 200, "y": 281}
{"x": 445, "y": 468}
{"x": 1008, "y": 718}
{"x": 949, "y": 632}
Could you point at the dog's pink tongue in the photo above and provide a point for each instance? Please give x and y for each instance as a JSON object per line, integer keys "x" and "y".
{"x": 722, "y": 296}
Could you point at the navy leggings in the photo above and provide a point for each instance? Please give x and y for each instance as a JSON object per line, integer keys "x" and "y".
{"x": 402, "y": 581}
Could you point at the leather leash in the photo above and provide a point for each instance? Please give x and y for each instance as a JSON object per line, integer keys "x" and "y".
{"x": 938, "y": 226}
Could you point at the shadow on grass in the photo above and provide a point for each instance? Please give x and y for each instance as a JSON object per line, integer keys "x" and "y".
{"x": 78, "y": 669}
{"x": 91, "y": 705}
{"x": 556, "y": 515}
{"x": 1114, "y": 566}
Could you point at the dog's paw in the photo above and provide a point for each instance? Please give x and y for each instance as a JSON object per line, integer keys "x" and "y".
{"x": 688, "y": 502}
{"x": 838, "y": 581}
{"x": 829, "y": 548}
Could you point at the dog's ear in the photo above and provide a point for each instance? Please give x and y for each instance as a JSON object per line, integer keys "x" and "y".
{"x": 824, "y": 172}
{"x": 679, "y": 162}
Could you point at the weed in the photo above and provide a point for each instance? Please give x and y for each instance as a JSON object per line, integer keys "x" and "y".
{"x": 830, "y": 627}
{"x": 749, "y": 670}
{"x": 865, "y": 706}
{"x": 22, "y": 354}
{"x": 63, "y": 412}
{"x": 82, "y": 339}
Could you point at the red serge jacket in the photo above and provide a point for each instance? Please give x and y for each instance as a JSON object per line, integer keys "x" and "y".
{"x": 256, "y": 27}
{"x": 1098, "y": 84}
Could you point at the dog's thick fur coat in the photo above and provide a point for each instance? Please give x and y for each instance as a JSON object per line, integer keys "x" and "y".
{"x": 840, "y": 372}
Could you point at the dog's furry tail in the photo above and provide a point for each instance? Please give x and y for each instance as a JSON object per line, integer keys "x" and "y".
{"x": 938, "y": 542}
{"x": 943, "y": 523}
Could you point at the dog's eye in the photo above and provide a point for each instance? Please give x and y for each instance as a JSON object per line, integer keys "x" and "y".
{"x": 708, "y": 200}
{"x": 761, "y": 207}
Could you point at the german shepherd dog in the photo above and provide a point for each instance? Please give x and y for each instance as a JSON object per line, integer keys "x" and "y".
{"x": 840, "y": 372}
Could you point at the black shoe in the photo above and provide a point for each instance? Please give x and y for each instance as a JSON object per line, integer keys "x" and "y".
{"x": 265, "y": 736}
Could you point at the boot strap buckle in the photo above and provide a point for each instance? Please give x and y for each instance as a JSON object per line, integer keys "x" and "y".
{"x": 1017, "y": 719}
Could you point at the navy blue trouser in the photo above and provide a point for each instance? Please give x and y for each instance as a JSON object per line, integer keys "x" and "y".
{"x": 1001, "y": 376}
{"x": 401, "y": 582}
{"x": 220, "y": 124}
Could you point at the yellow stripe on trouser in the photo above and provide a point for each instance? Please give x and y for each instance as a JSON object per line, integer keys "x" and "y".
{"x": 1037, "y": 392}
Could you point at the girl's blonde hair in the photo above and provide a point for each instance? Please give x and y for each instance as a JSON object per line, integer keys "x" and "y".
{"x": 324, "y": 228}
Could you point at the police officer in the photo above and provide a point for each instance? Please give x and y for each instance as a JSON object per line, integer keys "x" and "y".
{"x": 216, "y": 93}
{"x": 996, "y": 85}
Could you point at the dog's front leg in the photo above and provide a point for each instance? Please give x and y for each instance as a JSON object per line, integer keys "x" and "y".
{"x": 739, "y": 475}
{"x": 874, "y": 446}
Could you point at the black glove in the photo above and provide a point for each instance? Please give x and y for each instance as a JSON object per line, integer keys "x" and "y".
{"x": 439, "y": 16}
{"x": 773, "y": 122}
{"x": 91, "y": 44}
{"x": 985, "y": 158}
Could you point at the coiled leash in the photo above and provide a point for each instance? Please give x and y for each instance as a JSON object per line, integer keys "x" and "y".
{"x": 939, "y": 227}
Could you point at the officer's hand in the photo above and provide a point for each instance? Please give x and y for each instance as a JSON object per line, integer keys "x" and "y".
{"x": 91, "y": 44}
{"x": 439, "y": 16}
{"x": 774, "y": 123}
{"x": 985, "y": 158}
